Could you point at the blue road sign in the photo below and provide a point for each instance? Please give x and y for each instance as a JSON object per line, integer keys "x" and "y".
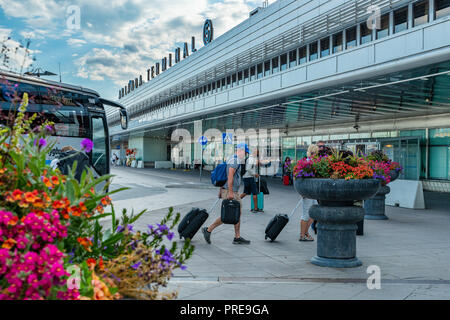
{"x": 227, "y": 138}
{"x": 203, "y": 140}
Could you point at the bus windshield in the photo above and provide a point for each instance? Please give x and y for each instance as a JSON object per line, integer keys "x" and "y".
{"x": 75, "y": 116}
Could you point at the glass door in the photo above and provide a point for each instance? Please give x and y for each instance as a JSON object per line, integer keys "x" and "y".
{"x": 405, "y": 151}
{"x": 100, "y": 151}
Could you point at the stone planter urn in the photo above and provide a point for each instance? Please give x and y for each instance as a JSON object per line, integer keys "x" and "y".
{"x": 337, "y": 217}
{"x": 376, "y": 206}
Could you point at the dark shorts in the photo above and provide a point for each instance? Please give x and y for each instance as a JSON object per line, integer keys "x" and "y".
{"x": 250, "y": 186}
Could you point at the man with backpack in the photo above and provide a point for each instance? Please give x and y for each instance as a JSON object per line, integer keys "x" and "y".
{"x": 230, "y": 190}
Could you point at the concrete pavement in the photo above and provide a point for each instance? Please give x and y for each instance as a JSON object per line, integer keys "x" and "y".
{"x": 412, "y": 248}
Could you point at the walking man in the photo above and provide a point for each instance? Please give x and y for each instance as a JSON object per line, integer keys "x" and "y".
{"x": 231, "y": 191}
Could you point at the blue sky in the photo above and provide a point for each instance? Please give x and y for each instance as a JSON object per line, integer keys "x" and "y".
{"x": 116, "y": 39}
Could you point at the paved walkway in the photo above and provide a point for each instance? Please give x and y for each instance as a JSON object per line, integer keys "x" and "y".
{"x": 412, "y": 248}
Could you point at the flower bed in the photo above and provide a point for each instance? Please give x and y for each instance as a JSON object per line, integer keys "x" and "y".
{"x": 52, "y": 245}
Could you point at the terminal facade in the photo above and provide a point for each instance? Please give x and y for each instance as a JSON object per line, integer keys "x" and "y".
{"x": 357, "y": 74}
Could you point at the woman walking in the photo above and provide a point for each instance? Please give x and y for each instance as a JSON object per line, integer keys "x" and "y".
{"x": 305, "y": 220}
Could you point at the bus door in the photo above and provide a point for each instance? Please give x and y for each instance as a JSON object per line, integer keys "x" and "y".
{"x": 100, "y": 151}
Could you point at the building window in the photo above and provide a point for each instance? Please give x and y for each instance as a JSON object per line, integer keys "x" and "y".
{"x": 337, "y": 42}
{"x": 228, "y": 82}
{"x": 313, "y": 54}
{"x": 218, "y": 86}
{"x": 420, "y": 12}
{"x": 384, "y": 26}
{"x": 325, "y": 47}
{"x": 442, "y": 8}
{"x": 240, "y": 78}
{"x": 283, "y": 62}
{"x": 275, "y": 66}
{"x": 245, "y": 75}
{"x": 260, "y": 71}
{"x": 302, "y": 58}
{"x": 366, "y": 33}
{"x": 233, "y": 81}
{"x": 210, "y": 88}
{"x": 213, "y": 86}
{"x": 400, "y": 19}
{"x": 292, "y": 58}
{"x": 224, "y": 84}
{"x": 350, "y": 35}
{"x": 266, "y": 68}
{"x": 252, "y": 73}
{"x": 205, "y": 90}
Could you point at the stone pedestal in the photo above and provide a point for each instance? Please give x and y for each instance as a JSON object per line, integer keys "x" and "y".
{"x": 336, "y": 238}
{"x": 376, "y": 207}
{"x": 337, "y": 217}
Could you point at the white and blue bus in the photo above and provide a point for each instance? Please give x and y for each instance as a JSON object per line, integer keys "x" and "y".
{"x": 77, "y": 113}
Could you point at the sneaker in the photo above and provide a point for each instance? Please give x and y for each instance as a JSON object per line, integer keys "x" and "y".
{"x": 206, "y": 235}
{"x": 240, "y": 240}
{"x": 260, "y": 210}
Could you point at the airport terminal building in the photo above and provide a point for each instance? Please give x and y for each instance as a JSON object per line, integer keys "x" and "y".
{"x": 360, "y": 74}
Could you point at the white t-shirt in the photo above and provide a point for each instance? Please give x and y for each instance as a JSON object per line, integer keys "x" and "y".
{"x": 250, "y": 167}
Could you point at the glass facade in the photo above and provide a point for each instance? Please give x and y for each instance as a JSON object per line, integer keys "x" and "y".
{"x": 421, "y": 158}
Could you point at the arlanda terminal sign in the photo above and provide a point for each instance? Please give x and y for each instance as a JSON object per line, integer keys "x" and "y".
{"x": 166, "y": 62}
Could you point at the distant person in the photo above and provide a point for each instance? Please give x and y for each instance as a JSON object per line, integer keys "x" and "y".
{"x": 287, "y": 171}
{"x": 249, "y": 178}
{"x": 305, "y": 220}
{"x": 231, "y": 191}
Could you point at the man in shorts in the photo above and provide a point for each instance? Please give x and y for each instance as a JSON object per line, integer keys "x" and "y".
{"x": 231, "y": 191}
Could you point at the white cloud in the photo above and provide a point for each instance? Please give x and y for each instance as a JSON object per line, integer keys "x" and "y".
{"x": 133, "y": 34}
{"x": 76, "y": 42}
{"x": 14, "y": 55}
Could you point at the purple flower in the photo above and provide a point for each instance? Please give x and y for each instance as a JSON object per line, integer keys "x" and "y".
{"x": 41, "y": 143}
{"x": 87, "y": 145}
{"x": 49, "y": 128}
{"x": 119, "y": 229}
{"x": 136, "y": 265}
{"x": 130, "y": 228}
{"x": 170, "y": 236}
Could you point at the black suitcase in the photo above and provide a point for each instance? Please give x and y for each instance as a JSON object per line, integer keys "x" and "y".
{"x": 192, "y": 222}
{"x": 231, "y": 211}
{"x": 275, "y": 226}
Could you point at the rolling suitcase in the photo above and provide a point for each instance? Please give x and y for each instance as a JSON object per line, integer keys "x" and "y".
{"x": 277, "y": 224}
{"x": 231, "y": 211}
{"x": 260, "y": 202}
{"x": 260, "y": 198}
{"x": 193, "y": 221}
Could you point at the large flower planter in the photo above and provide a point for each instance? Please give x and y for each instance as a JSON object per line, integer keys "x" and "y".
{"x": 337, "y": 217}
{"x": 376, "y": 206}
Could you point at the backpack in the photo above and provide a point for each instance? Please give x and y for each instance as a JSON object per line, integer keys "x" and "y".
{"x": 244, "y": 167}
{"x": 219, "y": 175}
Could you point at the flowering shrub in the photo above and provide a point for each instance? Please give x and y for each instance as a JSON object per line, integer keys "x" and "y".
{"x": 381, "y": 171}
{"x": 338, "y": 165}
{"x": 49, "y": 227}
{"x": 383, "y": 166}
{"x": 395, "y": 166}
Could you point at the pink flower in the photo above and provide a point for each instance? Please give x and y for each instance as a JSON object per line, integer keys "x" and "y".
{"x": 31, "y": 257}
{"x": 22, "y": 242}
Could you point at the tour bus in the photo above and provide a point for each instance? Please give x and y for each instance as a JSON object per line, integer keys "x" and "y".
{"x": 77, "y": 113}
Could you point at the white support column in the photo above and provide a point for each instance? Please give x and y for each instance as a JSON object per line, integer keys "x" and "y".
{"x": 431, "y": 10}
{"x": 391, "y": 23}
{"x": 410, "y": 16}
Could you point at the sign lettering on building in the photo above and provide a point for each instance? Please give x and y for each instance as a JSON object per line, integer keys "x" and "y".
{"x": 153, "y": 71}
